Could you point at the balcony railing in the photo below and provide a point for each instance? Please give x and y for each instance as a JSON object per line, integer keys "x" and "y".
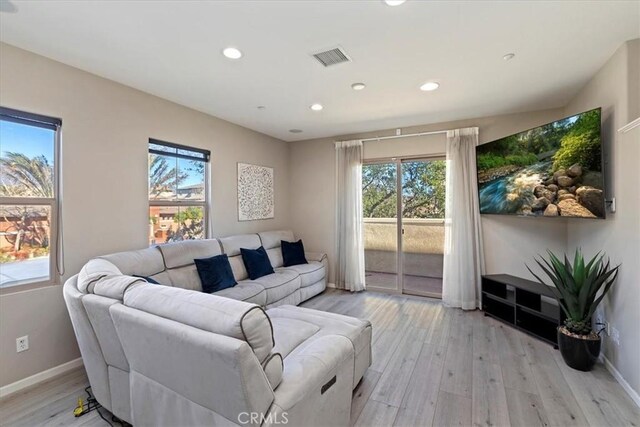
{"x": 422, "y": 253}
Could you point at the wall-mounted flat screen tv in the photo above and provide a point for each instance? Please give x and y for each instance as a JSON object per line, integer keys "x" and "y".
{"x": 554, "y": 170}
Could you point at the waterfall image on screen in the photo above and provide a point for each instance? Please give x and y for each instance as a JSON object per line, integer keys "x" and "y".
{"x": 552, "y": 170}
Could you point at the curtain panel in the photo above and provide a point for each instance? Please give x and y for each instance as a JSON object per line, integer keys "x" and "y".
{"x": 463, "y": 252}
{"x": 349, "y": 240}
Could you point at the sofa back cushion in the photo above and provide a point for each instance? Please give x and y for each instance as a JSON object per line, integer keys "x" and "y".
{"x": 144, "y": 262}
{"x": 231, "y": 246}
{"x": 224, "y": 316}
{"x": 271, "y": 242}
{"x": 179, "y": 261}
{"x": 93, "y": 271}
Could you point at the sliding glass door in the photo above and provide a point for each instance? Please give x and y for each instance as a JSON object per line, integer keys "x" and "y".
{"x": 422, "y": 226}
{"x": 380, "y": 211}
{"x": 403, "y": 207}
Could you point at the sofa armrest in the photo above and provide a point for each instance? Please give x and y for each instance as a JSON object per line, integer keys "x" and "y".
{"x": 190, "y": 366}
{"x": 315, "y": 256}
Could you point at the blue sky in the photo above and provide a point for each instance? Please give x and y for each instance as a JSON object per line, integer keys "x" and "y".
{"x": 28, "y": 140}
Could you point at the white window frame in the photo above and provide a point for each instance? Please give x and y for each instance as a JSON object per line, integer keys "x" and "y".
{"x": 204, "y": 204}
{"x": 56, "y": 268}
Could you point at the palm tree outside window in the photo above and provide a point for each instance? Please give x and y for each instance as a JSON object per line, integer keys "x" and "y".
{"x": 178, "y": 192}
{"x": 29, "y": 199}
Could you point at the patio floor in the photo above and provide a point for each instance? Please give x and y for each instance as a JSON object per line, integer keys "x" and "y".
{"x": 29, "y": 270}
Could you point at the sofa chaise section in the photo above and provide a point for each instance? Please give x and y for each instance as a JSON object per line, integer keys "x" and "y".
{"x": 215, "y": 359}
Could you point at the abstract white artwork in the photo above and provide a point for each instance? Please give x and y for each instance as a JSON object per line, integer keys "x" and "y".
{"x": 255, "y": 192}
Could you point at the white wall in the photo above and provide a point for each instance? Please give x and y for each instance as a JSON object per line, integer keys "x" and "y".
{"x": 616, "y": 88}
{"x": 106, "y": 127}
{"x": 509, "y": 241}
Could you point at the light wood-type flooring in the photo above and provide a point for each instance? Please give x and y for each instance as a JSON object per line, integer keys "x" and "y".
{"x": 431, "y": 366}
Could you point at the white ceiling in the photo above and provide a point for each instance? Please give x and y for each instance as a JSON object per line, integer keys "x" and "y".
{"x": 172, "y": 49}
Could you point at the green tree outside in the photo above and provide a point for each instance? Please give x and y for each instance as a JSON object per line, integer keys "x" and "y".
{"x": 423, "y": 189}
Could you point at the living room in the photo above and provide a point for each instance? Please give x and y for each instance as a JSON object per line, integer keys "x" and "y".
{"x": 175, "y": 131}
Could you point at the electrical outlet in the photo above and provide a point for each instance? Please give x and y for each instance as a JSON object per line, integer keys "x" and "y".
{"x": 22, "y": 344}
{"x": 615, "y": 335}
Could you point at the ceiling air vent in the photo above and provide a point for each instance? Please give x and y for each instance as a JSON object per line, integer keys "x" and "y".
{"x": 331, "y": 57}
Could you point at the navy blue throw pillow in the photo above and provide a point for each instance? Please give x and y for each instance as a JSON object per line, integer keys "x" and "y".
{"x": 215, "y": 273}
{"x": 293, "y": 253}
{"x": 148, "y": 279}
{"x": 257, "y": 263}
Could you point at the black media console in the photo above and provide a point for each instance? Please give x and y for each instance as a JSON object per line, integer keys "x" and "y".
{"x": 526, "y": 305}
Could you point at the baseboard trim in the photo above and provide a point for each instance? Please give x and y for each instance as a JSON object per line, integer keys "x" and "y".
{"x": 629, "y": 126}
{"x": 625, "y": 385}
{"x": 331, "y": 285}
{"x": 40, "y": 377}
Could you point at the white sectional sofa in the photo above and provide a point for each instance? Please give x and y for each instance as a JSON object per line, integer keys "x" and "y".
{"x": 172, "y": 265}
{"x": 170, "y": 354}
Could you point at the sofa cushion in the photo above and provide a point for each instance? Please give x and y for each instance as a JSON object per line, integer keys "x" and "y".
{"x": 290, "y": 333}
{"x": 224, "y": 316}
{"x": 238, "y": 268}
{"x": 327, "y": 323}
{"x": 215, "y": 273}
{"x": 147, "y": 279}
{"x": 144, "y": 262}
{"x": 185, "y": 277}
{"x": 292, "y": 253}
{"x": 272, "y": 239}
{"x": 309, "y": 273}
{"x": 231, "y": 245}
{"x": 180, "y": 254}
{"x": 275, "y": 257}
{"x": 245, "y": 291}
{"x": 256, "y": 262}
{"x": 279, "y": 285}
{"x": 271, "y": 242}
{"x": 93, "y": 271}
{"x": 115, "y": 286}
{"x": 162, "y": 278}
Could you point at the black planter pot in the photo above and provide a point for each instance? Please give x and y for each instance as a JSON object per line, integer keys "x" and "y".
{"x": 579, "y": 353}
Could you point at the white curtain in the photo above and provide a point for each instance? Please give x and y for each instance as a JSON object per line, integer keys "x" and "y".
{"x": 349, "y": 243}
{"x": 463, "y": 254}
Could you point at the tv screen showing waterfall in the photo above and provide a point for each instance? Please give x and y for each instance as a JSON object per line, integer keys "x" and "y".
{"x": 553, "y": 170}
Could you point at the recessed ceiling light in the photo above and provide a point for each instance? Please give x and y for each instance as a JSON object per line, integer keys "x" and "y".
{"x": 394, "y": 2}
{"x": 232, "y": 53}
{"x": 316, "y": 107}
{"x": 509, "y": 56}
{"x": 429, "y": 86}
{"x": 295, "y": 130}
{"x": 358, "y": 86}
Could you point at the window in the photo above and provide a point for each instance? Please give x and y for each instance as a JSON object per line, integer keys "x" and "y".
{"x": 29, "y": 194}
{"x": 178, "y": 192}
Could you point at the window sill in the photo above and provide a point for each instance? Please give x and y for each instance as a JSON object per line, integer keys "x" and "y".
{"x": 25, "y": 287}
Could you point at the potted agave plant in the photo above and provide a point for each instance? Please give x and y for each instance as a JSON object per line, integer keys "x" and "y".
{"x": 579, "y": 288}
